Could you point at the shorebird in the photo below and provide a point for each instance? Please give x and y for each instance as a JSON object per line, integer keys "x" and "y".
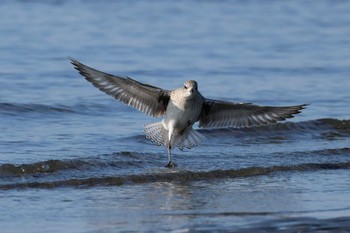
{"x": 181, "y": 108}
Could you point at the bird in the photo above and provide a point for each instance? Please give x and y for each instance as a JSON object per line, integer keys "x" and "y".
{"x": 181, "y": 108}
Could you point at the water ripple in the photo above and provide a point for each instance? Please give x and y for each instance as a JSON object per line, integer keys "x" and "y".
{"x": 178, "y": 176}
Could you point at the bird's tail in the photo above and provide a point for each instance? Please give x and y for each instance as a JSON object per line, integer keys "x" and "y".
{"x": 158, "y": 135}
{"x": 190, "y": 139}
{"x": 154, "y": 133}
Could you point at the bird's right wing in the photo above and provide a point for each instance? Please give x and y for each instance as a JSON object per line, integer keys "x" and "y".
{"x": 216, "y": 113}
{"x": 145, "y": 98}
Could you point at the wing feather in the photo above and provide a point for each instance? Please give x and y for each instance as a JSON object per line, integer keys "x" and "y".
{"x": 217, "y": 114}
{"x": 146, "y": 98}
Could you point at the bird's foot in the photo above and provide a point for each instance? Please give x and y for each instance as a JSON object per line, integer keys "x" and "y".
{"x": 170, "y": 164}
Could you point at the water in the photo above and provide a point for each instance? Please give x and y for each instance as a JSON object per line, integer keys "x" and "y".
{"x": 74, "y": 160}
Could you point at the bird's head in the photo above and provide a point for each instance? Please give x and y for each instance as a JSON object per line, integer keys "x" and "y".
{"x": 190, "y": 87}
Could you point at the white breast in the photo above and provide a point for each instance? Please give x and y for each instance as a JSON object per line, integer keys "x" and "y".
{"x": 181, "y": 114}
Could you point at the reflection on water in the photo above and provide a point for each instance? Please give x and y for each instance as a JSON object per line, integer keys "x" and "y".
{"x": 225, "y": 203}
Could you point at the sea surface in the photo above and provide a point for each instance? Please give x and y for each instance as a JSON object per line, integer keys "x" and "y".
{"x": 72, "y": 159}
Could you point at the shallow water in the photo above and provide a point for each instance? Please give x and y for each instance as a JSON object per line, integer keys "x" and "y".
{"x": 74, "y": 160}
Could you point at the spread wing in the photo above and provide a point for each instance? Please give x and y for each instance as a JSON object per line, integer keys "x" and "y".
{"x": 145, "y": 98}
{"x": 216, "y": 114}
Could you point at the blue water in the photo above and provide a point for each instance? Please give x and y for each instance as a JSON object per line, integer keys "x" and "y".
{"x": 72, "y": 159}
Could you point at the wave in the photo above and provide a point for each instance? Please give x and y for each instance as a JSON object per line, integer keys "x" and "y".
{"x": 14, "y": 109}
{"x": 327, "y": 128}
{"x": 124, "y": 160}
{"x": 177, "y": 176}
{"x": 298, "y": 224}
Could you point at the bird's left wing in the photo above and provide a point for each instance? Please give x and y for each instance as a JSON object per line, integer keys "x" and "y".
{"x": 216, "y": 114}
{"x": 145, "y": 98}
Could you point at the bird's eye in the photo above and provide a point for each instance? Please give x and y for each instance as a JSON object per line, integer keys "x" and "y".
{"x": 185, "y": 87}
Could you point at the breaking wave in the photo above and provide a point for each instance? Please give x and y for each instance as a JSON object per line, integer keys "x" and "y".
{"x": 169, "y": 176}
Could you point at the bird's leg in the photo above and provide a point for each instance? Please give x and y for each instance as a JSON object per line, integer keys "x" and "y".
{"x": 170, "y": 135}
{"x": 170, "y": 164}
